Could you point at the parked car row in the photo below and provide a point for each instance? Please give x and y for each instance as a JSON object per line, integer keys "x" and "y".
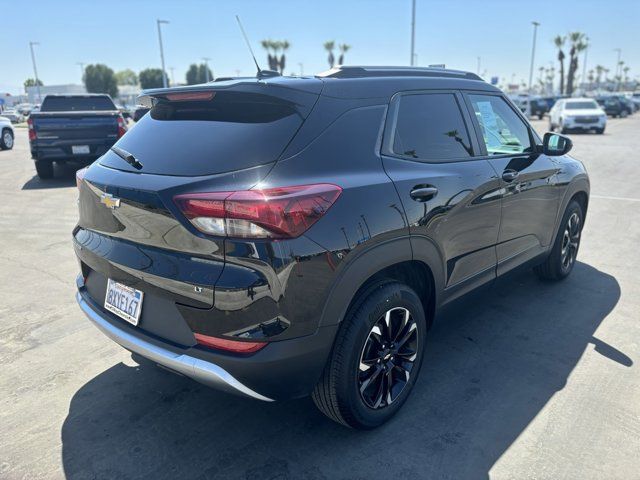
{"x": 617, "y": 105}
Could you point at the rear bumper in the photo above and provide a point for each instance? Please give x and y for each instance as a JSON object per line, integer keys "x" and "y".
{"x": 200, "y": 370}
{"x": 63, "y": 152}
{"x": 282, "y": 370}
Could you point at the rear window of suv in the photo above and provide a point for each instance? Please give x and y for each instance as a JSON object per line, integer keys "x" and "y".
{"x": 79, "y": 104}
{"x": 232, "y": 130}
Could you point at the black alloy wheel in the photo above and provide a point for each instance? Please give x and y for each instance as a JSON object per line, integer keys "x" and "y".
{"x": 387, "y": 358}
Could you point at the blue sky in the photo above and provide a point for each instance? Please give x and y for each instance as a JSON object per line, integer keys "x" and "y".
{"x": 122, "y": 34}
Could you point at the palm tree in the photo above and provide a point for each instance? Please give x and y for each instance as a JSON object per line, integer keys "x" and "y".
{"x": 599, "y": 71}
{"x": 284, "y": 45}
{"x": 578, "y": 44}
{"x": 559, "y": 43}
{"x": 344, "y": 48}
{"x": 329, "y": 46}
{"x": 269, "y": 45}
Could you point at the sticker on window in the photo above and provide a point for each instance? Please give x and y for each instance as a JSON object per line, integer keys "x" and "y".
{"x": 490, "y": 123}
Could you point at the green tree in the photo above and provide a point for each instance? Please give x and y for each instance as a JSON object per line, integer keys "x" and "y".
{"x": 31, "y": 82}
{"x": 151, "y": 78}
{"x": 99, "y": 78}
{"x": 578, "y": 44}
{"x": 127, "y": 77}
{"x": 329, "y": 46}
{"x": 344, "y": 48}
{"x": 273, "y": 48}
{"x": 198, "y": 74}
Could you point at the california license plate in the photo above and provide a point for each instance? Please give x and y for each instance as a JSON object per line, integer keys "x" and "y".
{"x": 124, "y": 301}
{"x": 80, "y": 149}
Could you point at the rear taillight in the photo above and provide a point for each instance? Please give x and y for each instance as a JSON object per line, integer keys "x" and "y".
{"x": 283, "y": 212}
{"x": 80, "y": 176}
{"x": 122, "y": 126}
{"x": 32, "y": 130}
{"x": 235, "y": 346}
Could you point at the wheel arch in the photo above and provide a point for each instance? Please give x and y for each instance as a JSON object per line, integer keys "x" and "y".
{"x": 577, "y": 190}
{"x": 393, "y": 260}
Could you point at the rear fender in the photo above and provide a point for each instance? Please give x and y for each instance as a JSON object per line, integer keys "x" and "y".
{"x": 365, "y": 264}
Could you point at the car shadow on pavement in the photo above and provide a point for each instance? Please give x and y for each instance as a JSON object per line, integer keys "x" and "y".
{"x": 492, "y": 363}
{"x": 64, "y": 176}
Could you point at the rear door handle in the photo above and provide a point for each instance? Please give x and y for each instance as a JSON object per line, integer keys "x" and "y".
{"x": 510, "y": 175}
{"x": 422, "y": 194}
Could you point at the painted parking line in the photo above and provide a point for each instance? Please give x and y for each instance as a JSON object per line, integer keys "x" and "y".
{"x": 624, "y": 199}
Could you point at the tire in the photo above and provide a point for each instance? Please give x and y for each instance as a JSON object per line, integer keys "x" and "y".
{"x": 558, "y": 265}
{"x": 44, "y": 169}
{"x": 599, "y": 131}
{"x": 342, "y": 393}
{"x": 551, "y": 127}
{"x": 540, "y": 116}
{"x": 624, "y": 114}
{"x": 6, "y": 140}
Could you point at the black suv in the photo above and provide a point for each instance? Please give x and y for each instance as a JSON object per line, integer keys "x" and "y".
{"x": 279, "y": 237}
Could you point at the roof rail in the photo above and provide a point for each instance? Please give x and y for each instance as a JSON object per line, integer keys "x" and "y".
{"x": 374, "y": 71}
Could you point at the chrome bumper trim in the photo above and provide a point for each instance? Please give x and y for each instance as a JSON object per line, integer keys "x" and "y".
{"x": 195, "y": 368}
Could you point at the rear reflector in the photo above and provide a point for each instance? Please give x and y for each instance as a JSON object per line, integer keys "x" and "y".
{"x": 282, "y": 212}
{"x": 229, "y": 345}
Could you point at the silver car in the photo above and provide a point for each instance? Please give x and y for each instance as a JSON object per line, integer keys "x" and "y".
{"x": 6, "y": 134}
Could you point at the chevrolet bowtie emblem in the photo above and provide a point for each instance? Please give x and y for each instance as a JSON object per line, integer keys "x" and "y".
{"x": 109, "y": 201}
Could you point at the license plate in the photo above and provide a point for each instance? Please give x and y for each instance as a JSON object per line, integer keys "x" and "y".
{"x": 80, "y": 149}
{"x": 124, "y": 301}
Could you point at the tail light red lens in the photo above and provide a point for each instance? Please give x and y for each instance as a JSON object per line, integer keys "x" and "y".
{"x": 80, "y": 176}
{"x": 122, "y": 126}
{"x": 282, "y": 212}
{"x": 235, "y": 346}
{"x": 32, "y": 130}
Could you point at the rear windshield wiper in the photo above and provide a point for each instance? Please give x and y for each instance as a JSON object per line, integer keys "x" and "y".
{"x": 127, "y": 157}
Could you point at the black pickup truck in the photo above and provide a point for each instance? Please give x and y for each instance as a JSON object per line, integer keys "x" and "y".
{"x": 73, "y": 128}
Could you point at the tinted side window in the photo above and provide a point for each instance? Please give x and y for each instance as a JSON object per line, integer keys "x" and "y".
{"x": 431, "y": 127}
{"x": 502, "y": 129}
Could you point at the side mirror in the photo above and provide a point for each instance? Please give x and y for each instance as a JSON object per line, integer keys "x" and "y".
{"x": 555, "y": 144}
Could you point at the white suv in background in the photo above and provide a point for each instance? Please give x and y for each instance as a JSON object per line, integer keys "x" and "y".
{"x": 577, "y": 114}
{"x": 6, "y": 133}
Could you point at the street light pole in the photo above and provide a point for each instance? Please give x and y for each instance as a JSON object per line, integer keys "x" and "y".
{"x": 618, "y": 72}
{"x": 533, "y": 53}
{"x": 164, "y": 72}
{"x": 413, "y": 33}
{"x": 206, "y": 67}
{"x": 35, "y": 70}
{"x": 81, "y": 70}
{"x": 301, "y": 69}
{"x": 478, "y": 66}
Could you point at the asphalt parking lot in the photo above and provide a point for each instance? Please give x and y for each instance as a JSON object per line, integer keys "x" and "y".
{"x": 527, "y": 380}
